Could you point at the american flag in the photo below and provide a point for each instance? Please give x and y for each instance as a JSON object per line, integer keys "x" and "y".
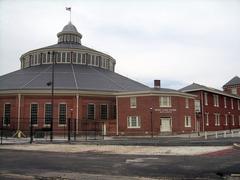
{"x": 68, "y": 8}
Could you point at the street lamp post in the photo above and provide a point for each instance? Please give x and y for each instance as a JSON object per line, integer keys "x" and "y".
{"x": 151, "y": 122}
{"x": 52, "y": 97}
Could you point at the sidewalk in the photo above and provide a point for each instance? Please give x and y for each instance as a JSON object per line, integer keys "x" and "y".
{"x": 113, "y": 149}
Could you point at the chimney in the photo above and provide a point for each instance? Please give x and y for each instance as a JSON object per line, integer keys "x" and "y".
{"x": 157, "y": 84}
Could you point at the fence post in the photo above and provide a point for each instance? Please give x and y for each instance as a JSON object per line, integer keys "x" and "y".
{"x": 216, "y": 134}
{"x": 205, "y": 134}
{"x": 224, "y": 134}
{"x": 69, "y": 129}
{"x": 232, "y": 133}
{"x": 31, "y": 131}
{"x": 75, "y": 129}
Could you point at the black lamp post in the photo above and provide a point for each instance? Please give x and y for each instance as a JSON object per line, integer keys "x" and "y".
{"x": 151, "y": 122}
{"x": 52, "y": 96}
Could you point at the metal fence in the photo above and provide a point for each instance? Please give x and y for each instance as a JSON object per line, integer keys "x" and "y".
{"x": 70, "y": 131}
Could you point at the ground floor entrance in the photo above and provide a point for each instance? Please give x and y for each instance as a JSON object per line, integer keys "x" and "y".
{"x": 166, "y": 124}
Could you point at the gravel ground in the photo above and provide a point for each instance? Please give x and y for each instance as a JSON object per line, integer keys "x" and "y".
{"x": 118, "y": 149}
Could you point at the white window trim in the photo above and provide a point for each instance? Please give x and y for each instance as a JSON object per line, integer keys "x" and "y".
{"x": 238, "y": 104}
{"x": 206, "y": 99}
{"x": 233, "y": 120}
{"x": 138, "y": 120}
{"x": 225, "y": 102}
{"x": 4, "y": 113}
{"x": 169, "y": 104}
{"x": 217, "y": 119}
{"x": 189, "y": 120}
{"x": 226, "y": 119}
{"x": 207, "y": 119}
{"x": 62, "y": 125}
{"x": 31, "y": 113}
{"x": 186, "y": 103}
{"x": 46, "y": 125}
{"x": 132, "y": 99}
{"x": 215, "y": 100}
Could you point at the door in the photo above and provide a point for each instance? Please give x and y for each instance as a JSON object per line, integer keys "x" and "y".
{"x": 166, "y": 125}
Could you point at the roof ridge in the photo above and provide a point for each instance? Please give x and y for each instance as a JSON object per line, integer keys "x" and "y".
{"x": 35, "y": 77}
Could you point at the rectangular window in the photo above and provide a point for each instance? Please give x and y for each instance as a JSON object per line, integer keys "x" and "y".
{"x": 238, "y": 104}
{"x": 225, "y": 102}
{"x": 63, "y": 57}
{"x": 68, "y": 57}
{"x": 217, "y": 119}
{"x": 48, "y": 57}
{"x": 133, "y": 122}
{"x": 186, "y": 103}
{"x": 83, "y": 58}
{"x": 43, "y": 58}
{"x": 205, "y": 99}
{"x": 207, "y": 119}
{"x": 79, "y": 58}
{"x": 48, "y": 114}
{"x": 215, "y": 101}
{"x": 104, "y": 111}
{"x": 91, "y": 112}
{"x": 62, "y": 114}
{"x": 232, "y": 103}
{"x": 234, "y": 91}
{"x": 74, "y": 57}
{"x": 233, "y": 121}
{"x": 165, "y": 101}
{"x": 226, "y": 119}
{"x": 197, "y": 106}
{"x": 34, "y": 113}
{"x": 133, "y": 102}
{"x": 187, "y": 121}
{"x": 7, "y": 114}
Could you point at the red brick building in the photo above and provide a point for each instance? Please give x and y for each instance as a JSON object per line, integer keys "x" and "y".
{"x": 233, "y": 86}
{"x": 68, "y": 80}
{"x": 215, "y": 109}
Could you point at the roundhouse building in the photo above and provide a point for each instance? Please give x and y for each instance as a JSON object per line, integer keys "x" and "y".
{"x": 87, "y": 89}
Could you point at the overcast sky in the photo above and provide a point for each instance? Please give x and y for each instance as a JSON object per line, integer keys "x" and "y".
{"x": 179, "y": 42}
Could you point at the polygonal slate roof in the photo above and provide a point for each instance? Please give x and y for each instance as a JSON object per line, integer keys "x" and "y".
{"x": 234, "y": 81}
{"x": 69, "y": 77}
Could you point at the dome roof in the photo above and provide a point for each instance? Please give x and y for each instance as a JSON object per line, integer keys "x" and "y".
{"x": 70, "y": 28}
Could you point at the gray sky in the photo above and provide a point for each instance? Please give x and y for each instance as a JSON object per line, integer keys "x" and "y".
{"x": 179, "y": 42}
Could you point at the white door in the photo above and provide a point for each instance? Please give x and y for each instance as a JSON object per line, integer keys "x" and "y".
{"x": 165, "y": 125}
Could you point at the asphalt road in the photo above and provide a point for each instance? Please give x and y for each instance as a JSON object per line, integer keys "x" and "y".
{"x": 21, "y": 164}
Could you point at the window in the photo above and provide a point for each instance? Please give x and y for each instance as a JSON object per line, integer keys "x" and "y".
{"x": 62, "y": 114}
{"x": 206, "y": 99}
{"x": 238, "y": 104}
{"x": 186, "y": 103}
{"x": 68, "y": 57}
{"x": 207, "y": 119}
{"x": 48, "y": 57}
{"x": 187, "y": 121}
{"x": 104, "y": 111}
{"x": 215, "y": 101}
{"x": 133, "y": 102}
{"x": 73, "y": 57}
{"x": 232, "y": 103}
{"x": 83, "y": 58}
{"x": 7, "y": 113}
{"x": 91, "y": 112}
{"x": 165, "y": 101}
{"x": 133, "y": 122}
{"x": 63, "y": 57}
{"x": 226, "y": 119}
{"x": 217, "y": 119}
{"x": 48, "y": 114}
{"x": 233, "y": 121}
{"x": 225, "y": 102}
{"x": 79, "y": 58}
{"x": 43, "y": 58}
{"x": 234, "y": 90}
{"x": 34, "y": 114}
{"x": 197, "y": 106}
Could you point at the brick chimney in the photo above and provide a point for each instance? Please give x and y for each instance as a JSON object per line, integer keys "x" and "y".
{"x": 157, "y": 84}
